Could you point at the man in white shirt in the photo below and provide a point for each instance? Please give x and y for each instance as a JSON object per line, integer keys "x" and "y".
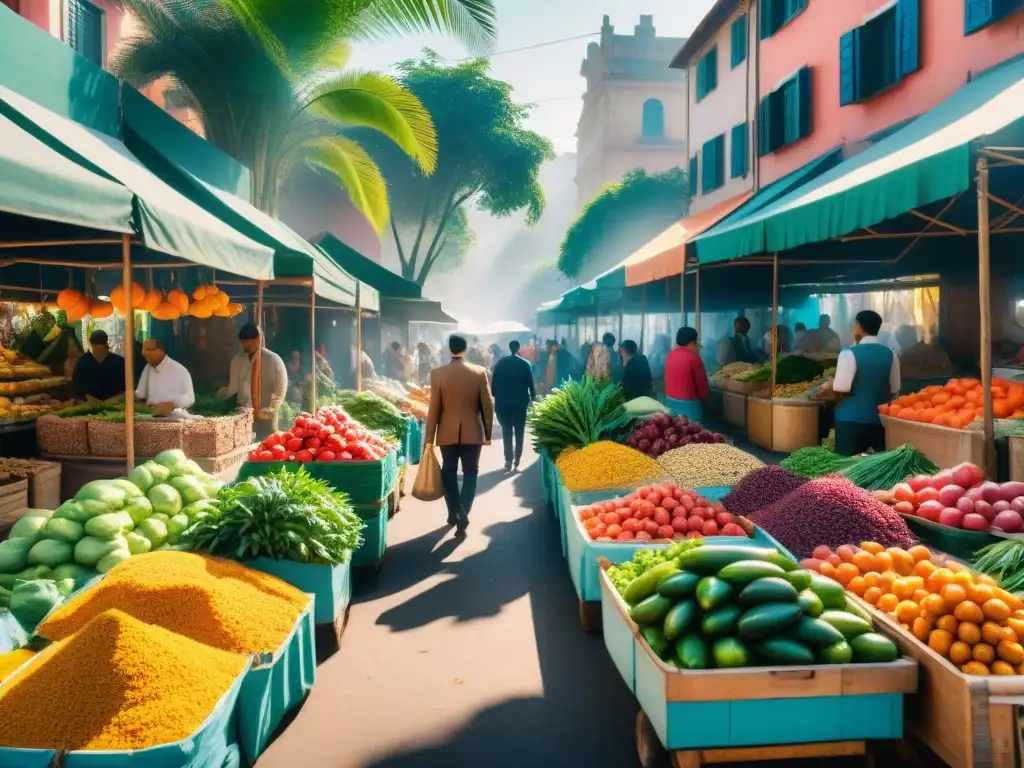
{"x": 165, "y": 385}
{"x": 273, "y": 380}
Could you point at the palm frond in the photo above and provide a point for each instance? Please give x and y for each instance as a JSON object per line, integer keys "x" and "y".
{"x": 374, "y": 100}
{"x": 471, "y": 22}
{"x": 358, "y": 175}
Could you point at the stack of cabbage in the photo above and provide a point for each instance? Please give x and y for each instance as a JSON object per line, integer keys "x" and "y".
{"x": 108, "y": 521}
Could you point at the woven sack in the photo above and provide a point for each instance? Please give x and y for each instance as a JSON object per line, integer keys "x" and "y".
{"x": 62, "y": 437}
{"x": 107, "y": 438}
{"x": 155, "y": 435}
{"x": 209, "y": 437}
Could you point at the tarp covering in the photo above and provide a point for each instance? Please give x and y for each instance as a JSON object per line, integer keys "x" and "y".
{"x": 167, "y": 221}
{"x": 926, "y": 161}
{"x": 664, "y": 255}
{"x": 37, "y": 182}
{"x": 415, "y": 310}
{"x": 386, "y": 282}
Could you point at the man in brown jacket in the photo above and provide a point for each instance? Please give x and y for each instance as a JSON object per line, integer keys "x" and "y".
{"x": 459, "y": 423}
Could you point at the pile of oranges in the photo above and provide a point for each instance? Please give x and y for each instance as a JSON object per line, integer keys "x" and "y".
{"x": 957, "y": 403}
{"x": 963, "y": 616}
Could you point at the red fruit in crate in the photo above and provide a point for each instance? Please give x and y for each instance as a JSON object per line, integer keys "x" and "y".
{"x": 903, "y": 492}
{"x": 303, "y": 456}
{"x": 821, "y": 552}
{"x": 325, "y": 455}
{"x": 694, "y": 535}
{"x": 809, "y": 563}
{"x": 614, "y": 530}
{"x": 724, "y": 518}
{"x": 609, "y": 506}
{"x": 662, "y": 517}
{"x": 586, "y": 513}
{"x": 930, "y": 510}
{"x": 695, "y": 522}
{"x": 708, "y": 513}
{"x": 272, "y": 440}
{"x": 680, "y": 524}
{"x": 312, "y": 443}
{"x": 624, "y": 536}
{"x": 650, "y": 526}
{"x": 669, "y": 503}
{"x": 710, "y": 528}
{"x": 631, "y": 524}
{"x": 666, "y": 532}
{"x": 293, "y": 445}
{"x": 279, "y": 451}
{"x": 611, "y": 518}
{"x": 926, "y": 494}
{"x": 654, "y": 498}
{"x": 624, "y": 512}
{"x": 594, "y": 534}
{"x": 642, "y": 536}
{"x": 629, "y": 499}
{"x": 265, "y": 456}
{"x": 345, "y": 456}
{"x": 731, "y": 529}
{"x": 919, "y": 482}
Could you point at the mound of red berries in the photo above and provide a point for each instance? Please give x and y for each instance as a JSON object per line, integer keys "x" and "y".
{"x": 331, "y": 435}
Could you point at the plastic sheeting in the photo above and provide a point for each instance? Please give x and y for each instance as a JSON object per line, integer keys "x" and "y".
{"x": 330, "y": 585}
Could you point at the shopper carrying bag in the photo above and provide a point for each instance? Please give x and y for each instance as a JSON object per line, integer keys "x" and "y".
{"x": 428, "y": 485}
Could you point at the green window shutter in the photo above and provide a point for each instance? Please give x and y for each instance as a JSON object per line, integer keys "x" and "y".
{"x": 768, "y": 10}
{"x": 977, "y": 15}
{"x": 85, "y": 30}
{"x": 707, "y": 73}
{"x": 908, "y": 37}
{"x": 764, "y": 126}
{"x": 805, "y": 104}
{"x": 738, "y": 41}
{"x": 849, "y": 67}
{"x": 739, "y": 151}
{"x": 712, "y": 69}
{"x": 791, "y": 110}
{"x": 693, "y": 176}
{"x": 794, "y": 8}
{"x": 702, "y": 67}
{"x": 713, "y": 172}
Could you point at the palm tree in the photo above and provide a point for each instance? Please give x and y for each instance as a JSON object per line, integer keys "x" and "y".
{"x": 268, "y": 80}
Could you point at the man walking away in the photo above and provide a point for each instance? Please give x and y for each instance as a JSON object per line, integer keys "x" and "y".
{"x": 513, "y": 388}
{"x": 636, "y": 372}
{"x": 459, "y": 422}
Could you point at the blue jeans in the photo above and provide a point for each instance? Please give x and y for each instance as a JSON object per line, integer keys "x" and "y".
{"x": 459, "y": 502}
{"x": 513, "y": 422}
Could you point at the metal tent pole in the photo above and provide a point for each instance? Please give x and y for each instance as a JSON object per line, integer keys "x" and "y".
{"x": 643, "y": 317}
{"x": 359, "y": 339}
{"x": 696, "y": 305}
{"x": 775, "y": 322}
{"x": 312, "y": 341}
{"x": 129, "y": 352}
{"x": 682, "y": 296}
{"x": 985, "y": 300}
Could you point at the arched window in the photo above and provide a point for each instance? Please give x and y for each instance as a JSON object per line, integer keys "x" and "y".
{"x": 654, "y": 118}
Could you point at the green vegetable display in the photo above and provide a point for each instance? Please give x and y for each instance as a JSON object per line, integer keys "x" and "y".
{"x": 374, "y": 412}
{"x": 882, "y": 471}
{"x": 1003, "y": 561}
{"x": 576, "y": 414}
{"x": 791, "y": 369}
{"x": 816, "y": 461}
{"x": 622, "y": 574}
{"x": 744, "y": 607}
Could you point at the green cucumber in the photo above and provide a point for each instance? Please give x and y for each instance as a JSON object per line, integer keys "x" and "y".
{"x": 847, "y": 623}
{"x": 745, "y": 571}
{"x": 678, "y": 619}
{"x": 652, "y": 611}
{"x": 815, "y": 632}
{"x": 873, "y": 648}
{"x": 679, "y": 586}
{"x": 767, "y": 619}
{"x": 692, "y": 652}
{"x": 832, "y": 595}
{"x": 810, "y": 604}
{"x": 646, "y": 584}
{"x": 800, "y": 579}
{"x": 837, "y": 653}
{"x": 656, "y": 639}
{"x": 710, "y": 560}
{"x": 856, "y": 610}
{"x": 768, "y": 590}
{"x": 712, "y": 592}
{"x": 721, "y": 621}
{"x": 730, "y": 652}
{"x": 784, "y": 650}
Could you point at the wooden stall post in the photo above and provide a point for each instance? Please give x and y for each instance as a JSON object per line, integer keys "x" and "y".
{"x": 985, "y": 300}
{"x": 312, "y": 340}
{"x": 129, "y": 352}
{"x": 775, "y": 321}
{"x": 643, "y": 317}
{"x": 682, "y": 296}
{"x": 257, "y": 368}
{"x": 696, "y": 305}
{"x": 359, "y": 339}
{"x": 622, "y": 311}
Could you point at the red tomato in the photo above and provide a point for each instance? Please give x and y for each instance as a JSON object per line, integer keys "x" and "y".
{"x": 312, "y": 443}
{"x": 272, "y": 440}
{"x": 654, "y": 498}
{"x": 666, "y": 532}
{"x": 687, "y": 503}
{"x": 632, "y": 525}
{"x": 636, "y": 505}
{"x": 614, "y": 530}
{"x": 278, "y": 451}
{"x": 904, "y": 492}
{"x": 265, "y": 456}
{"x": 925, "y": 494}
{"x": 643, "y": 490}
{"x": 610, "y": 506}
{"x": 694, "y": 535}
{"x": 624, "y": 512}
{"x": 293, "y": 445}
{"x": 587, "y": 513}
{"x": 695, "y": 522}
{"x": 602, "y": 529}
{"x": 325, "y": 455}
{"x": 662, "y": 517}
{"x": 594, "y": 534}
{"x": 345, "y": 456}
{"x": 611, "y": 518}
{"x": 303, "y": 456}
{"x": 591, "y": 523}
{"x": 710, "y": 528}
{"x": 723, "y": 519}
{"x": 624, "y": 536}
{"x": 669, "y": 503}
{"x": 648, "y": 507}
{"x": 629, "y": 499}
{"x": 650, "y": 526}
{"x": 680, "y": 512}
{"x": 642, "y": 536}
{"x": 904, "y": 507}
{"x": 679, "y": 524}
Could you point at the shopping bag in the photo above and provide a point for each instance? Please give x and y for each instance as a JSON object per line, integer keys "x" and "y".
{"x": 428, "y": 485}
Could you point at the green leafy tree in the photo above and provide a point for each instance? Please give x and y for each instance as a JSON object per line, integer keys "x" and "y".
{"x": 485, "y": 156}
{"x": 621, "y": 218}
{"x": 268, "y": 79}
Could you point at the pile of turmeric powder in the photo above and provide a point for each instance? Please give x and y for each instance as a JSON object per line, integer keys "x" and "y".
{"x": 11, "y": 660}
{"x": 217, "y": 602}
{"x": 116, "y": 684}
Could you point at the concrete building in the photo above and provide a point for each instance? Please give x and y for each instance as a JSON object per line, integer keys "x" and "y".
{"x": 634, "y": 108}
{"x": 720, "y": 61}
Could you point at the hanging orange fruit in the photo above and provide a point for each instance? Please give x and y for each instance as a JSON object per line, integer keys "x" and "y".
{"x": 150, "y": 301}
{"x": 166, "y": 311}
{"x": 201, "y": 309}
{"x": 69, "y": 298}
{"x": 199, "y": 293}
{"x": 178, "y": 298}
{"x": 221, "y": 312}
{"x": 234, "y": 310}
{"x": 117, "y": 296}
{"x": 79, "y": 310}
{"x": 100, "y": 309}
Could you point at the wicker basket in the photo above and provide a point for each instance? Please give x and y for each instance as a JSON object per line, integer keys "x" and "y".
{"x": 153, "y": 436}
{"x": 209, "y": 437}
{"x": 107, "y": 438}
{"x": 243, "y": 428}
{"x": 62, "y": 437}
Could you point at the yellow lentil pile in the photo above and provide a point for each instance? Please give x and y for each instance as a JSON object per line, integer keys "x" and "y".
{"x": 12, "y": 660}
{"x": 605, "y": 466}
{"x": 217, "y": 602}
{"x": 117, "y": 684}
{"x": 708, "y": 465}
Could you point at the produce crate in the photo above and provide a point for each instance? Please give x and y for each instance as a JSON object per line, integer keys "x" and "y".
{"x": 416, "y": 441}
{"x": 370, "y": 553}
{"x": 961, "y": 544}
{"x": 757, "y": 706}
{"x": 734, "y": 409}
{"x": 13, "y": 498}
{"x": 209, "y": 437}
{"x": 783, "y": 426}
{"x": 108, "y": 438}
{"x": 363, "y": 481}
{"x": 243, "y": 429}
{"x": 715, "y": 401}
{"x": 214, "y": 744}
{"x": 154, "y": 436}
{"x": 330, "y": 585}
{"x": 966, "y": 720}
{"x": 62, "y": 437}
{"x": 274, "y": 685}
{"x": 945, "y": 446}
{"x": 43, "y": 480}
{"x": 1015, "y": 454}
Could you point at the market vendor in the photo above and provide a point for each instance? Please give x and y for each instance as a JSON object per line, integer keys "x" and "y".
{"x": 737, "y": 348}
{"x": 166, "y": 384}
{"x": 636, "y": 372}
{"x": 686, "y": 380}
{"x": 273, "y": 380}
{"x": 99, "y": 374}
{"x": 829, "y": 339}
{"x": 867, "y": 376}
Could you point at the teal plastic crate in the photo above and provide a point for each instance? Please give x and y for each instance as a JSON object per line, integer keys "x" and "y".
{"x": 274, "y": 686}
{"x": 363, "y": 481}
{"x": 415, "y": 437}
{"x": 213, "y": 745}
{"x": 375, "y": 535}
{"x": 330, "y": 585}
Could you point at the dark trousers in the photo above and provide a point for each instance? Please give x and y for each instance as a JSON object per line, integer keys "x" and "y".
{"x": 459, "y": 503}
{"x": 853, "y": 438}
{"x": 513, "y": 422}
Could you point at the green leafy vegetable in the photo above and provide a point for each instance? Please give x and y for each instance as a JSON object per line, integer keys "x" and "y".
{"x": 816, "y": 461}
{"x": 1003, "y": 561}
{"x": 881, "y": 471}
{"x": 577, "y": 414}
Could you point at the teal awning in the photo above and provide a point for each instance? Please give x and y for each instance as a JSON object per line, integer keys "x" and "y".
{"x": 38, "y": 183}
{"x": 167, "y": 221}
{"x": 382, "y": 279}
{"x": 415, "y": 310}
{"x": 925, "y": 161}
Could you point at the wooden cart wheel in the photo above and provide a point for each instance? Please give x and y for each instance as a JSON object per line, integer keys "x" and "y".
{"x": 648, "y": 748}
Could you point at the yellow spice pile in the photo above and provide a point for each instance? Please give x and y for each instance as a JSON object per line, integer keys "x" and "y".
{"x": 217, "y": 602}
{"x": 606, "y": 465}
{"x": 117, "y": 684}
{"x": 12, "y": 660}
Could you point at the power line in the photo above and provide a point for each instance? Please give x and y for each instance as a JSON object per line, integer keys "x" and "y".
{"x": 577, "y": 97}
{"x": 534, "y": 46}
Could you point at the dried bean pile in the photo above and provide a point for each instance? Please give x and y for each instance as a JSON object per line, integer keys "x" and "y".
{"x": 761, "y": 488}
{"x": 708, "y": 465}
{"x": 832, "y": 511}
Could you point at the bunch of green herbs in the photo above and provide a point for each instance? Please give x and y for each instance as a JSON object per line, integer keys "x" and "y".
{"x": 816, "y": 461}
{"x": 1004, "y": 562}
{"x": 577, "y": 414}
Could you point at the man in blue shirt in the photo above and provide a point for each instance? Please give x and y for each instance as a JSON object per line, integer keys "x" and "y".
{"x": 513, "y": 390}
{"x": 867, "y": 376}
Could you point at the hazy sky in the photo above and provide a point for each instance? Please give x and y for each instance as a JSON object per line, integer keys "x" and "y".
{"x": 548, "y": 75}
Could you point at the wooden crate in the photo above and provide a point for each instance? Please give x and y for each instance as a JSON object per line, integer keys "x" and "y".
{"x": 783, "y": 427}
{"x": 757, "y": 706}
{"x": 13, "y": 498}
{"x": 734, "y": 409}
{"x": 945, "y": 446}
{"x": 966, "y": 720}
{"x": 1015, "y": 451}
{"x": 43, "y": 480}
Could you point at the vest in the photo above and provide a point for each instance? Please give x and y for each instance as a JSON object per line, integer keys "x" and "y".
{"x": 870, "y": 385}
